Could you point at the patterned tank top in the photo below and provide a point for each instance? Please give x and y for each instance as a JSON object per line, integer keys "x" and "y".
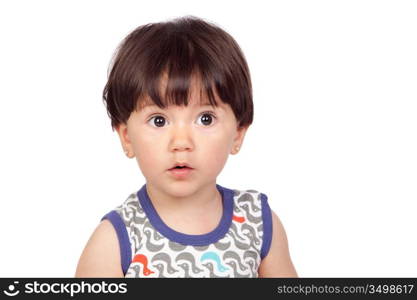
{"x": 235, "y": 248}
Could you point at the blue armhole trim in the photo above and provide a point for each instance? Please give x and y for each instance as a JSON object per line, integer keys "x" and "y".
{"x": 124, "y": 243}
{"x": 267, "y": 226}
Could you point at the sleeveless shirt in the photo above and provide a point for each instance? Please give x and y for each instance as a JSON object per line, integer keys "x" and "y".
{"x": 235, "y": 248}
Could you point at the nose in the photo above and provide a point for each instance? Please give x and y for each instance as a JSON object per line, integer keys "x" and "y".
{"x": 181, "y": 139}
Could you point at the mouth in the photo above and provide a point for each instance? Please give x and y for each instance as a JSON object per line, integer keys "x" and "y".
{"x": 181, "y": 167}
{"x": 181, "y": 171}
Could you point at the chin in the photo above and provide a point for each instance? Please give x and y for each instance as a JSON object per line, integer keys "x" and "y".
{"x": 181, "y": 188}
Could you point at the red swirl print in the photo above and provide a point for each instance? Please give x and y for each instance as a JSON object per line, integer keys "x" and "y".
{"x": 140, "y": 258}
{"x": 238, "y": 219}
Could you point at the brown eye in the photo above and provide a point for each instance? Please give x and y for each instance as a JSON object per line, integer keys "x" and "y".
{"x": 157, "y": 121}
{"x": 206, "y": 119}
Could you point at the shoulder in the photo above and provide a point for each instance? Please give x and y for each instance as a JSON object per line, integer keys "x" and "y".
{"x": 277, "y": 263}
{"x": 248, "y": 198}
{"x": 101, "y": 255}
{"x": 107, "y": 252}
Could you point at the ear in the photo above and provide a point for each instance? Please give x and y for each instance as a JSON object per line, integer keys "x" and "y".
{"x": 238, "y": 140}
{"x": 124, "y": 140}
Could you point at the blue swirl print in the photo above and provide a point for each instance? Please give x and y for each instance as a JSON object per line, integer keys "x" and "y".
{"x": 210, "y": 255}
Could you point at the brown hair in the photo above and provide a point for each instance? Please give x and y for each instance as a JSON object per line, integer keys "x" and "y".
{"x": 179, "y": 48}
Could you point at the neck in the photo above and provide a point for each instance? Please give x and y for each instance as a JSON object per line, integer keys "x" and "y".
{"x": 201, "y": 201}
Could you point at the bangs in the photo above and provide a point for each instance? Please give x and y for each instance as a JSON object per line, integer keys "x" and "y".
{"x": 172, "y": 88}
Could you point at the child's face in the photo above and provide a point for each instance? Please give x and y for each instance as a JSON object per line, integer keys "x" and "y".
{"x": 160, "y": 138}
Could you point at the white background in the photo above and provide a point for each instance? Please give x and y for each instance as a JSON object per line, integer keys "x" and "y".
{"x": 333, "y": 142}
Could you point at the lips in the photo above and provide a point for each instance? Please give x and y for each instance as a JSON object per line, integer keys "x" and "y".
{"x": 181, "y": 166}
{"x": 181, "y": 171}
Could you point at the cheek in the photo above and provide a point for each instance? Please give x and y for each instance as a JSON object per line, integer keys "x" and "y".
{"x": 215, "y": 161}
{"x": 148, "y": 151}
{"x": 214, "y": 150}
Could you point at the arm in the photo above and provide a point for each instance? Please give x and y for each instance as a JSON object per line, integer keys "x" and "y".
{"x": 101, "y": 255}
{"x": 278, "y": 261}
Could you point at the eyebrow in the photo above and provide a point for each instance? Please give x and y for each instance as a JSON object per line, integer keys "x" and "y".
{"x": 153, "y": 104}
